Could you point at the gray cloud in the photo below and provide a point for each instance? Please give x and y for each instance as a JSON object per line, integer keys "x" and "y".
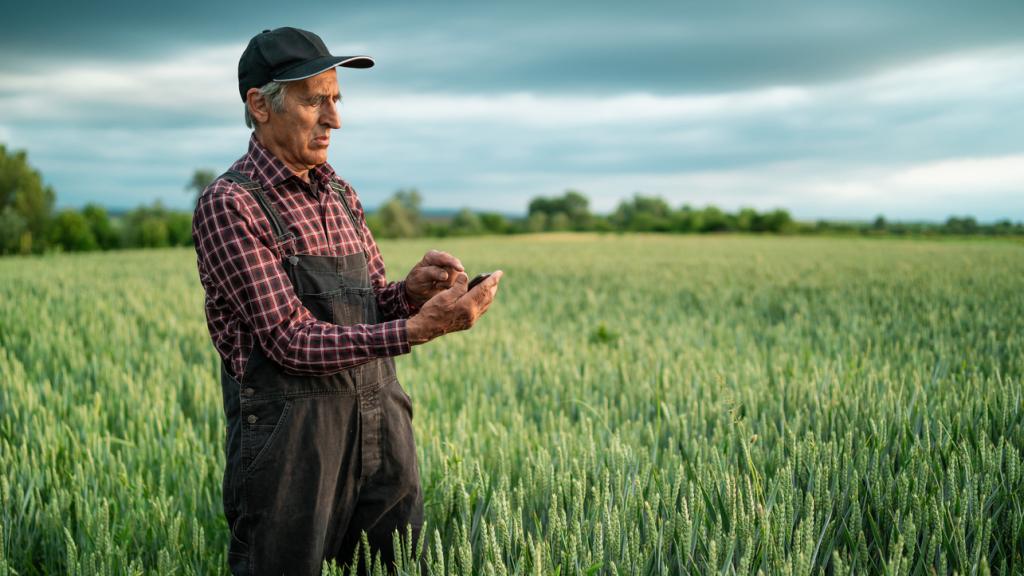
{"x": 568, "y": 47}
{"x": 829, "y": 109}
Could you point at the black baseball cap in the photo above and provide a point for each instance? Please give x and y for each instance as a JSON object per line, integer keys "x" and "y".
{"x": 287, "y": 54}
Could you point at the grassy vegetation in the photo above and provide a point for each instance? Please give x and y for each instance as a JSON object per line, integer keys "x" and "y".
{"x": 631, "y": 405}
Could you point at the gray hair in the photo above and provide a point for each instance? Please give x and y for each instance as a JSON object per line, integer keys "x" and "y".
{"x": 274, "y": 92}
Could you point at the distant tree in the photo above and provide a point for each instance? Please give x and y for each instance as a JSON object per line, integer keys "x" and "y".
{"x": 201, "y": 178}
{"x": 536, "y": 222}
{"x": 779, "y": 221}
{"x": 400, "y": 216}
{"x": 577, "y": 210}
{"x": 714, "y": 220}
{"x": 540, "y": 205}
{"x": 179, "y": 228}
{"x": 22, "y": 190}
{"x": 395, "y": 221}
{"x": 436, "y": 228}
{"x": 411, "y": 200}
{"x": 146, "y": 227}
{"x": 643, "y": 214}
{"x": 898, "y": 228}
{"x": 1003, "y": 227}
{"x": 102, "y": 229}
{"x": 601, "y": 224}
{"x": 153, "y": 233}
{"x": 13, "y": 232}
{"x": 880, "y": 225}
{"x": 71, "y": 231}
{"x": 573, "y": 207}
{"x": 373, "y": 223}
{"x": 466, "y": 223}
{"x": 748, "y": 220}
{"x": 494, "y": 223}
{"x": 686, "y": 219}
{"x": 964, "y": 225}
{"x": 559, "y": 221}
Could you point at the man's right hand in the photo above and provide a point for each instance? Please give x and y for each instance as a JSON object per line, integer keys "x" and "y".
{"x": 453, "y": 309}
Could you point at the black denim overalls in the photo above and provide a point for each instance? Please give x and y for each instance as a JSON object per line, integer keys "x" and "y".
{"x": 312, "y": 461}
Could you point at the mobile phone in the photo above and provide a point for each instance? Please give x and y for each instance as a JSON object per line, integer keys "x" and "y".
{"x": 477, "y": 279}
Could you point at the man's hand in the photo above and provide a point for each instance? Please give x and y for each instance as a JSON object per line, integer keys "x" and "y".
{"x": 453, "y": 309}
{"x": 433, "y": 274}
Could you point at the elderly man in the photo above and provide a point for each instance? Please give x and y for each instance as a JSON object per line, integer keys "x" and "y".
{"x": 319, "y": 435}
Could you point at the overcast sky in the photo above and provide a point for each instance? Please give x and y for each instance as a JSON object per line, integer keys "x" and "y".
{"x": 840, "y": 110}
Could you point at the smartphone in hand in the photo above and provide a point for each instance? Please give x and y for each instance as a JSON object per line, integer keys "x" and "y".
{"x": 477, "y": 279}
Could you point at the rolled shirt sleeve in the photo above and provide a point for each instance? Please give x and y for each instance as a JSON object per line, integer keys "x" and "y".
{"x": 238, "y": 265}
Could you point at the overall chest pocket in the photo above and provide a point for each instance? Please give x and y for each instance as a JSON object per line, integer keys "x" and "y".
{"x": 335, "y": 289}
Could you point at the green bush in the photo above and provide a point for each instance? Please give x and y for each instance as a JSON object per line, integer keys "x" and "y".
{"x": 71, "y": 231}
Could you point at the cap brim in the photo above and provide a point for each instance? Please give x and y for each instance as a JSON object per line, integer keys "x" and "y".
{"x": 314, "y": 67}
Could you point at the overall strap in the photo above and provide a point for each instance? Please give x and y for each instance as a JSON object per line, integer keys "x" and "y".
{"x": 340, "y": 191}
{"x": 276, "y": 221}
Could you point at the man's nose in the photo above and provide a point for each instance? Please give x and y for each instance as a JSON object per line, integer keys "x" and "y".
{"x": 331, "y": 116}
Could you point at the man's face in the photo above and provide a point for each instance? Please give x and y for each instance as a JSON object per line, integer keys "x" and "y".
{"x": 300, "y": 134}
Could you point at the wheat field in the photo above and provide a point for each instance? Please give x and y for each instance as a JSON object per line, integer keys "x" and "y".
{"x": 629, "y": 405}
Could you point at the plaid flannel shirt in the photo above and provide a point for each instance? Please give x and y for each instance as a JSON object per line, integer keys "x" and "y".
{"x": 249, "y": 298}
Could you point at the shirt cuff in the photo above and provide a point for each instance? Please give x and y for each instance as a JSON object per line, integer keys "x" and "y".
{"x": 391, "y": 339}
{"x": 404, "y": 303}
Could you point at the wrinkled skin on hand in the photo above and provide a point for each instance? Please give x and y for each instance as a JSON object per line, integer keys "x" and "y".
{"x": 433, "y": 274}
{"x": 453, "y": 309}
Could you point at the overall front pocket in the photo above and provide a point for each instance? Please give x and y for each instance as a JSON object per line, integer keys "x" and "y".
{"x": 262, "y": 423}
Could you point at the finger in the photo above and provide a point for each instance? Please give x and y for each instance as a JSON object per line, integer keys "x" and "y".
{"x": 451, "y": 294}
{"x": 493, "y": 279}
{"x": 490, "y": 284}
{"x": 459, "y": 286}
{"x": 494, "y": 285}
{"x": 432, "y": 278}
{"x": 481, "y": 298}
{"x": 443, "y": 259}
{"x": 435, "y": 274}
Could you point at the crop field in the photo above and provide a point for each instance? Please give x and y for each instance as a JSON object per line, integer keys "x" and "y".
{"x": 629, "y": 405}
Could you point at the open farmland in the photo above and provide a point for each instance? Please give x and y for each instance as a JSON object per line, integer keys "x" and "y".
{"x": 630, "y": 405}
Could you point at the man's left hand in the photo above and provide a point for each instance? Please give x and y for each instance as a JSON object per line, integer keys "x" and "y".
{"x": 435, "y": 273}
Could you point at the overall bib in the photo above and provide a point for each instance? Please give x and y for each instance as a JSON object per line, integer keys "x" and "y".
{"x": 313, "y": 461}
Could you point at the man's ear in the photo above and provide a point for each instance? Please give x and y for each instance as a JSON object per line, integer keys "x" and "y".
{"x": 259, "y": 108}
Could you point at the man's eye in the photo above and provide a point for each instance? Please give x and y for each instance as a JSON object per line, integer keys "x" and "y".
{"x": 319, "y": 101}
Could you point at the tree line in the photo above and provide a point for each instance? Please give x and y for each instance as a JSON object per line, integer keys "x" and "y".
{"x": 29, "y": 224}
{"x": 401, "y": 217}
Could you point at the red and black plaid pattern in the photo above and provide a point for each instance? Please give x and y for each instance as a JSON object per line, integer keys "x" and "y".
{"x": 249, "y": 298}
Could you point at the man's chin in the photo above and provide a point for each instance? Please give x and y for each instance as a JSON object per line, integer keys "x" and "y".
{"x": 318, "y": 157}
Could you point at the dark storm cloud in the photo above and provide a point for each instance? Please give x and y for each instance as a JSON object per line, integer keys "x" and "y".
{"x": 566, "y": 47}
{"x": 829, "y": 109}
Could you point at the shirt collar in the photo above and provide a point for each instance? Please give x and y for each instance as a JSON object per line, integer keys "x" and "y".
{"x": 270, "y": 171}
